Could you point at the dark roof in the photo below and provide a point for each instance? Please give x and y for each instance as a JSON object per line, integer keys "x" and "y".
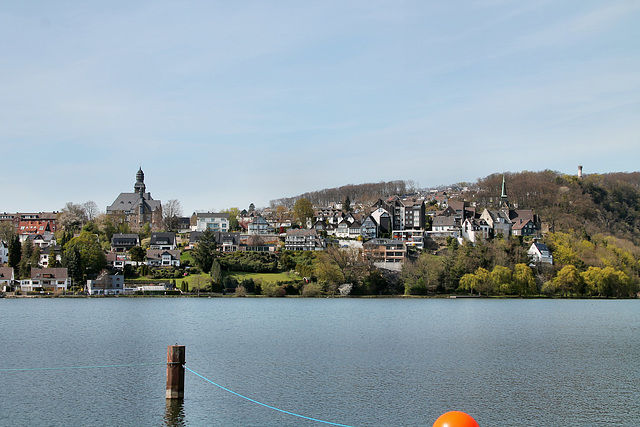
{"x": 129, "y": 201}
{"x": 49, "y": 273}
{"x": 163, "y": 239}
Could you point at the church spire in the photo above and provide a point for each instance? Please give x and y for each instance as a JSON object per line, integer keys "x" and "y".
{"x": 504, "y": 200}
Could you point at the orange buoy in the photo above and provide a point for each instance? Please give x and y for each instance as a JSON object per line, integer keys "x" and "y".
{"x": 455, "y": 419}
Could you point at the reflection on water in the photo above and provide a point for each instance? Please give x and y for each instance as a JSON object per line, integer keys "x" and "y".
{"x": 174, "y": 413}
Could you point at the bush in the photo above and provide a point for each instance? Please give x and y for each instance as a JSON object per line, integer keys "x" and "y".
{"x": 311, "y": 290}
{"x": 273, "y": 289}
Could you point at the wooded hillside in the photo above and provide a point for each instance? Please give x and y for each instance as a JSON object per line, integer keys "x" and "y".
{"x": 362, "y": 193}
{"x": 595, "y": 204}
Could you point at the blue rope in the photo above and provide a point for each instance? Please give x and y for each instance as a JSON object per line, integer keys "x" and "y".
{"x": 80, "y": 367}
{"x": 264, "y": 404}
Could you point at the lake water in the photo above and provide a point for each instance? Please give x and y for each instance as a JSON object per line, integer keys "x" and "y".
{"x": 359, "y": 362}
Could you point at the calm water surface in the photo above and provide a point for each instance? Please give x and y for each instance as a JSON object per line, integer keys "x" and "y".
{"x": 361, "y": 362}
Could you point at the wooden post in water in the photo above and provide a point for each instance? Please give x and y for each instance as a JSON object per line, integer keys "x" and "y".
{"x": 175, "y": 371}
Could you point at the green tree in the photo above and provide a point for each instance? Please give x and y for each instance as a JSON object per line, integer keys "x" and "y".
{"x": 502, "y": 279}
{"x": 26, "y": 259}
{"x": 92, "y": 257}
{"x": 484, "y": 283}
{"x": 71, "y": 260}
{"x": 146, "y": 231}
{"x": 568, "y": 281}
{"x": 252, "y": 207}
{"x": 593, "y": 281}
{"x": 137, "y": 254}
{"x": 203, "y": 253}
{"x": 7, "y": 231}
{"x": 234, "y": 225}
{"x": 216, "y": 273}
{"x": 302, "y": 212}
{"x": 524, "y": 281}
{"x": 422, "y": 276}
{"x": 468, "y": 282}
{"x": 15, "y": 251}
{"x": 346, "y": 206}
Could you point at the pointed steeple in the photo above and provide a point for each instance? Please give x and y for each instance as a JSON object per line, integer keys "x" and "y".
{"x": 504, "y": 200}
{"x": 504, "y": 189}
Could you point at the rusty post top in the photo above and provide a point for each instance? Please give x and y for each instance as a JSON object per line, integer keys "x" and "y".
{"x": 176, "y": 354}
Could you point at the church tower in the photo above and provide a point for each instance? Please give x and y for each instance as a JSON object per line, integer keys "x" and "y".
{"x": 504, "y": 200}
{"x": 139, "y": 187}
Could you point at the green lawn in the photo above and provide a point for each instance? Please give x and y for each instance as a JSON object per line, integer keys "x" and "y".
{"x": 265, "y": 277}
{"x": 192, "y": 279}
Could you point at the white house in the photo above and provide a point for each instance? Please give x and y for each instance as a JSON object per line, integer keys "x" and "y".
{"x": 498, "y": 221}
{"x": 163, "y": 241}
{"x": 474, "y": 229}
{"x": 49, "y": 279}
{"x": 112, "y": 285}
{"x": 258, "y": 226}
{"x": 213, "y": 221}
{"x": 6, "y": 279}
{"x": 4, "y": 252}
{"x": 160, "y": 258}
{"x": 540, "y": 254}
{"x": 303, "y": 240}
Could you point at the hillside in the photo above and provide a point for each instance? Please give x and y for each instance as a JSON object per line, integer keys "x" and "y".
{"x": 596, "y": 204}
{"x": 363, "y": 193}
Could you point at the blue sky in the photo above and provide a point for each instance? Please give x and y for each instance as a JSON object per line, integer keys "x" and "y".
{"x": 225, "y": 103}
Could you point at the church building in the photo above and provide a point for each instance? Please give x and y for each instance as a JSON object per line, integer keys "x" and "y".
{"x": 137, "y": 208}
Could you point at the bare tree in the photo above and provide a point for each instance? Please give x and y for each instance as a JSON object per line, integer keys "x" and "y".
{"x": 91, "y": 210}
{"x": 171, "y": 213}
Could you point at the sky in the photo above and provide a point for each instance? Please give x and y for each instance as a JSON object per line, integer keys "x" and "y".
{"x": 227, "y": 103}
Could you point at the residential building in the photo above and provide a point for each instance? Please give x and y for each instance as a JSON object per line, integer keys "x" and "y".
{"x": 413, "y": 211}
{"x": 109, "y": 285}
{"x": 540, "y": 254}
{"x": 498, "y": 221}
{"x": 119, "y": 259}
{"x": 163, "y": 241}
{"x": 473, "y": 229}
{"x": 42, "y": 240}
{"x": 7, "y": 279}
{"x": 4, "y": 252}
{"x": 385, "y": 251}
{"x": 258, "y": 225}
{"x": 48, "y": 218}
{"x": 49, "y": 253}
{"x": 161, "y": 258}
{"x": 228, "y": 242}
{"x": 369, "y": 228}
{"x": 213, "y": 221}
{"x": 304, "y": 240}
{"x": 47, "y": 279}
{"x": 31, "y": 227}
{"x": 342, "y": 230}
{"x": 124, "y": 242}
